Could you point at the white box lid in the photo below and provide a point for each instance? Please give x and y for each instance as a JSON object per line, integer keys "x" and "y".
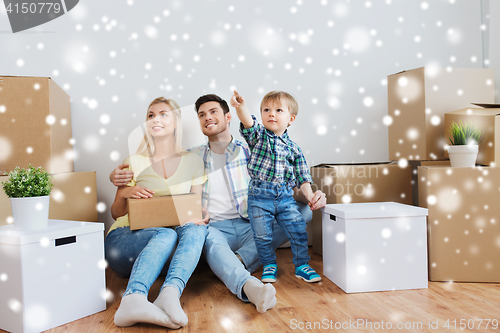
{"x": 55, "y": 229}
{"x": 369, "y": 210}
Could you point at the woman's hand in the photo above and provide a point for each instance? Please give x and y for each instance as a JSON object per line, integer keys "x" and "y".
{"x": 137, "y": 192}
{"x": 119, "y": 206}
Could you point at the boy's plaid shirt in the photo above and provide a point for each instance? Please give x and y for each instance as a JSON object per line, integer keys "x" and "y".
{"x": 237, "y": 157}
{"x": 274, "y": 158}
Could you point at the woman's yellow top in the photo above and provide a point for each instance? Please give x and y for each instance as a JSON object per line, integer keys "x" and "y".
{"x": 190, "y": 172}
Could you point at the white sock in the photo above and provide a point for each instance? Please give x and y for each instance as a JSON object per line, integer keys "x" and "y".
{"x": 168, "y": 301}
{"x": 135, "y": 308}
{"x": 263, "y": 296}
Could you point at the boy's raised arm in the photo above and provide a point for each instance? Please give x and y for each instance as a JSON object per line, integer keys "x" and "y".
{"x": 238, "y": 103}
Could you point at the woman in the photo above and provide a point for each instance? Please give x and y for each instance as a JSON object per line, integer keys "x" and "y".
{"x": 162, "y": 167}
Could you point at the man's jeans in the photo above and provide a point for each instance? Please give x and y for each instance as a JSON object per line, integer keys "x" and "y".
{"x": 269, "y": 202}
{"x": 227, "y": 237}
{"x": 144, "y": 254}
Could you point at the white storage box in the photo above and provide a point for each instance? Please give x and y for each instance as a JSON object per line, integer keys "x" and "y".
{"x": 51, "y": 276}
{"x": 375, "y": 246}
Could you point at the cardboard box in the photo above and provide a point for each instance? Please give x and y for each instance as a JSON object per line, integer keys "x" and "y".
{"x": 354, "y": 183}
{"x": 47, "y": 270}
{"x": 163, "y": 211}
{"x": 414, "y": 175}
{"x": 463, "y": 222}
{"x": 73, "y": 198}
{"x": 35, "y": 124}
{"x": 488, "y": 120}
{"x": 418, "y": 100}
{"x": 375, "y": 246}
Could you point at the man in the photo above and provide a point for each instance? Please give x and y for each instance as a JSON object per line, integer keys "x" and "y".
{"x": 230, "y": 248}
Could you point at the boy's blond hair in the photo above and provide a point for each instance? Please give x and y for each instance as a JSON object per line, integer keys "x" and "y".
{"x": 276, "y": 97}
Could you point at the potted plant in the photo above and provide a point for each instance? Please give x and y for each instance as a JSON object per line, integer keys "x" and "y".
{"x": 464, "y": 146}
{"x": 29, "y": 193}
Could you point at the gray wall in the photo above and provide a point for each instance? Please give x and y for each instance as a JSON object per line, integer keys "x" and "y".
{"x": 493, "y": 27}
{"x": 114, "y": 57}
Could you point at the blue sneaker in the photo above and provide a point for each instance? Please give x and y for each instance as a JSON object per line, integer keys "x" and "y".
{"x": 306, "y": 273}
{"x": 269, "y": 273}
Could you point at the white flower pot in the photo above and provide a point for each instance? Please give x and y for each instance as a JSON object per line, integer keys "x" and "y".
{"x": 30, "y": 213}
{"x": 463, "y": 156}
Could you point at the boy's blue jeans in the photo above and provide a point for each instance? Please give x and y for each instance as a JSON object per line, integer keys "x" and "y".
{"x": 227, "y": 237}
{"x": 145, "y": 253}
{"x": 268, "y": 202}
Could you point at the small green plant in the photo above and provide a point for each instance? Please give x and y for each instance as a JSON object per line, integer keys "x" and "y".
{"x": 30, "y": 182}
{"x": 466, "y": 134}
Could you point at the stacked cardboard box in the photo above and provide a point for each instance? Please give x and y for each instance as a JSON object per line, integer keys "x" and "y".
{"x": 356, "y": 183}
{"x": 460, "y": 201}
{"x": 486, "y": 118}
{"x": 73, "y": 198}
{"x": 418, "y": 100}
{"x": 464, "y": 222}
{"x": 35, "y": 124}
{"x": 35, "y": 128}
{"x": 414, "y": 175}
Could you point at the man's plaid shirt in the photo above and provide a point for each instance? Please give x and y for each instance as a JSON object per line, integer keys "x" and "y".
{"x": 237, "y": 157}
{"x": 274, "y": 158}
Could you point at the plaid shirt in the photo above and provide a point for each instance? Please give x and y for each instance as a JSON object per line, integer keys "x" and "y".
{"x": 274, "y": 158}
{"x": 237, "y": 157}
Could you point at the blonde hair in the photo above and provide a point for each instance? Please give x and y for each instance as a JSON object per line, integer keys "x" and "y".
{"x": 278, "y": 96}
{"x": 147, "y": 146}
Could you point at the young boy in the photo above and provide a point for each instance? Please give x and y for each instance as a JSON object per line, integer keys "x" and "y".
{"x": 276, "y": 166}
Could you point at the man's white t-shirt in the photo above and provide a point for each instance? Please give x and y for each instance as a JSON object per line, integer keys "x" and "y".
{"x": 220, "y": 201}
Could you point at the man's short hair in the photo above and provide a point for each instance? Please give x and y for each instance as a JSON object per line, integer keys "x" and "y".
{"x": 278, "y": 96}
{"x": 211, "y": 98}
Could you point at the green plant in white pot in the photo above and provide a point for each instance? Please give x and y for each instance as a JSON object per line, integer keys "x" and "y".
{"x": 29, "y": 193}
{"x": 464, "y": 146}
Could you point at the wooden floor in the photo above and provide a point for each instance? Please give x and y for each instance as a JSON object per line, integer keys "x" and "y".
{"x": 210, "y": 307}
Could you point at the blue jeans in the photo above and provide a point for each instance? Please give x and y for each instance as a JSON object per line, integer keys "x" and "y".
{"x": 269, "y": 202}
{"x": 227, "y": 237}
{"x": 144, "y": 254}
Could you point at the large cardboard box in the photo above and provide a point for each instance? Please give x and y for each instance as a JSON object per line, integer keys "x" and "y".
{"x": 375, "y": 246}
{"x": 73, "y": 197}
{"x": 163, "y": 211}
{"x": 414, "y": 175}
{"x": 35, "y": 124}
{"x": 463, "y": 222}
{"x": 488, "y": 120}
{"x": 418, "y": 100}
{"x": 354, "y": 183}
{"x": 46, "y": 271}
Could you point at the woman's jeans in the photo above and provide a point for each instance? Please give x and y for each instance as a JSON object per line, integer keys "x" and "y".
{"x": 269, "y": 202}
{"x": 144, "y": 254}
